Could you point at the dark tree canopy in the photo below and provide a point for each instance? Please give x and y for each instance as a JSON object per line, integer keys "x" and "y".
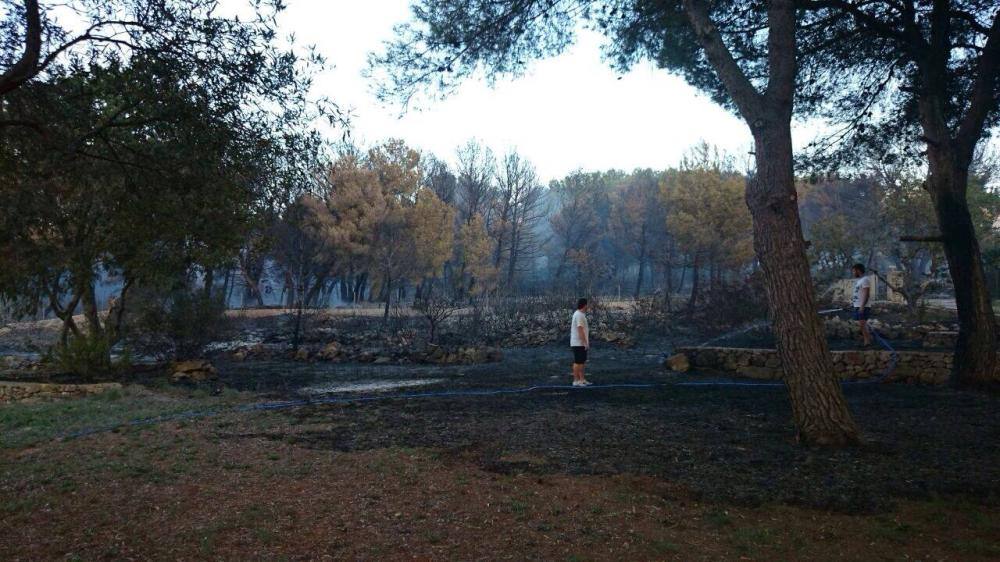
{"x": 41, "y": 39}
{"x": 446, "y": 42}
{"x": 146, "y": 148}
{"x": 874, "y": 62}
{"x": 856, "y": 61}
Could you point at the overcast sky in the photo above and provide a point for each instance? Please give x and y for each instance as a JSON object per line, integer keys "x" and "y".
{"x": 569, "y": 112}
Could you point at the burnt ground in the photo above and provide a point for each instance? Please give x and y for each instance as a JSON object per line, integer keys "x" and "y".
{"x": 555, "y": 473}
{"x": 727, "y": 444}
{"x": 731, "y": 444}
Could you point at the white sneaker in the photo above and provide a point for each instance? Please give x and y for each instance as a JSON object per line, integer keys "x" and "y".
{"x": 587, "y": 383}
{"x": 580, "y": 383}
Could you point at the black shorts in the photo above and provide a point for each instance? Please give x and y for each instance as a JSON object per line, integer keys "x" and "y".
{"x": 579, "y": 354}
{"x": 862, "y": 314}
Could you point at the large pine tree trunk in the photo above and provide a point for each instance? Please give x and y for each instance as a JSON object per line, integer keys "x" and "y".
{"x": 818, "y": 405}
{"x": 975, "y": 351}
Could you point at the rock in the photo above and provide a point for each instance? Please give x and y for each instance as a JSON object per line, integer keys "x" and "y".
{"x": 330, "y": 351}
{"x": 193, "y": 371}
{"x": 678, "y": 363}
{"x": 382, "y": 360}
{"x": 762, "y": 373}
{"x": 302, "y": 354}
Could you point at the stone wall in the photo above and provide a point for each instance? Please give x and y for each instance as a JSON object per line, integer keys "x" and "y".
{"x": 918, "y": 366}
{"x": 11, "y": 391}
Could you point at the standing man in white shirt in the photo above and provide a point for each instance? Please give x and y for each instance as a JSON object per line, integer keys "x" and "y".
{"x": 579, "y": 342}
{"x": 861, "y": 301}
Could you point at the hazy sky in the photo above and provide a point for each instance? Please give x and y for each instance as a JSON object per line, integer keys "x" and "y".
{"x": 569, "y": 112}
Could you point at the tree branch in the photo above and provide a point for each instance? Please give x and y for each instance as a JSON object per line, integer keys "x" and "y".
{"x": 749, "y": 101}
{"x": 89, "y": 36}
{"x": 781, "y": 54}
{"x": 921, "y": 238}
{"x": 27, "y": 66}
{"x": 984, "y": 93}
{"x": 871, "y": 22}
{"x": 971, "y": 20}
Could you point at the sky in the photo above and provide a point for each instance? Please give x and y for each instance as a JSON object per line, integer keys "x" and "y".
{"x": 569, "y": 112}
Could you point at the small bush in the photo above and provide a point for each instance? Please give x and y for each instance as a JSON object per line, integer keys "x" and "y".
{"x": 88, "y": 357}
{"x": 435, "y": 309}
{"x": 175, "y": 324}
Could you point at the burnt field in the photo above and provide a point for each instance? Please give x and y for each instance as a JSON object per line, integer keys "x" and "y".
{"x": 726, "y": 443}
{"x": 394, "y": 458}
{"x": 604, "y": 473}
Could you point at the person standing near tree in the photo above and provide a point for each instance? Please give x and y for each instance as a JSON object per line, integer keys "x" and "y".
{"x": 579, "y": 342}
{"x": 861, "y": 301}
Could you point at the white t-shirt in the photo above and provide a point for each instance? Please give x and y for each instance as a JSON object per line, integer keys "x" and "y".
{"x": 579, "y": 319}
{"x": 862, "y": 283}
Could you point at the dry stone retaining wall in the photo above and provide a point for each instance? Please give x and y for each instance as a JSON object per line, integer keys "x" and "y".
{"x": 919, "y": 366}
{"x": 18, "y": 391}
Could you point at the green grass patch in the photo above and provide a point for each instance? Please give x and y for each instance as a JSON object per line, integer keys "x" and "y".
{"x": 27, "y": 424}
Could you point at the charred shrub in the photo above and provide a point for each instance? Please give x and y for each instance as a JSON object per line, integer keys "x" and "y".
{"x": 647, "y": 314}
{"x": 731, "y": 305}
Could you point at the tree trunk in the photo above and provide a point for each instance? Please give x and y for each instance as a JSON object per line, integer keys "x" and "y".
{"x": 227, "y": 287}
{"x": 668, "y": 275}
{"x": 90, "y": 312}
{"x": 975, "y": 352}
{"x": 251, "y": 283}
{"x": 818, "y": 405}
{"x": 209, "y": 281}
{"x": 388, "y": 299}
{"x": 345, "y": 292}
{"x": 360, "y": 285}
{"x": 642, "y": 263}
{"x": 27, "y": 66}
{"x": 695, "y": 277}
{"x": 562, "y": 264}
{"x": 512, "y": 265}
{"x": 64, "y": 313}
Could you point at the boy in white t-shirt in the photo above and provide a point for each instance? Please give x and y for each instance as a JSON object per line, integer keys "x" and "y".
{"x": 579, "y": 342}
{"x": 861, "y": 301}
